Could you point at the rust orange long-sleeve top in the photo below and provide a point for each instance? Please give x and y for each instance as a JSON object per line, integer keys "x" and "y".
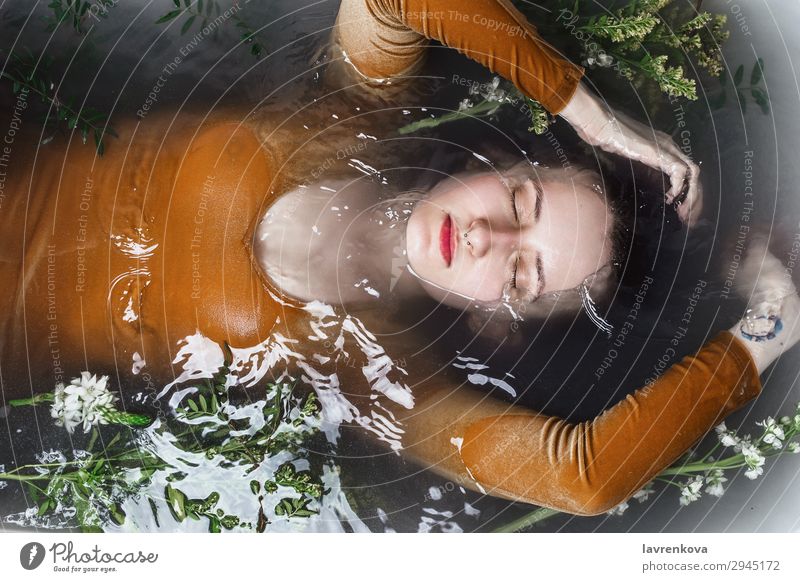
{"x": 386, "y": 38}
{"x": 72, "y": 289}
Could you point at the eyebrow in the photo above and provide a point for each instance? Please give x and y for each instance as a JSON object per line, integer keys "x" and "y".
{"x": 539, "y": 275}
{"x": 537, "y": 205}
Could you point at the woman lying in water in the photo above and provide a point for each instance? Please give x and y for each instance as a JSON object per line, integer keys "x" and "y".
{"x": 200, "y": 223}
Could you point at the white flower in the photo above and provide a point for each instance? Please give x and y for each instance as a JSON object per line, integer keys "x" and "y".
{"x": 86, "y": 400}
{"x": 773, "y": 433}
{"x": 604, "y": 60}
{"x": 618, "y": 509}
{"x": 752, "y": 456}
{"x": 754, "y": 472}
{"x": 644, "y": 493}
{"x": 726, "y": 438}
{"x": 793, "y": 447}
{"x": 691, "y": 490}
{"x": 493, "y": 91}
{"x": 464, "y": 105}
{"x": 714, "y": 480}
{"x": 742, "y": 443}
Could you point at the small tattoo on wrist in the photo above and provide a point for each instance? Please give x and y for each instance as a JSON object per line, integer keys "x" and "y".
{"x": 761, "y": 328}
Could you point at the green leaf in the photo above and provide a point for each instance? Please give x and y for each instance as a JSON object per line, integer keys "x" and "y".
{"x": 229, "y": 521}
{"x": 213, "y": 525}
{"x": 113, "y": 440}
{"x": 738, "y": 75}
{"x": 176, "y": 500}
{"x": 117, "y": 514}
{"x": 209, "y": 502}
{"x": 255, "y": 487}
{"x": 188, "y": 24}
{"x": 760, "y": 97}
{"x": 755, "y": 74}
{"x": 169, "y": 16}
{"x": 742, "y": 101}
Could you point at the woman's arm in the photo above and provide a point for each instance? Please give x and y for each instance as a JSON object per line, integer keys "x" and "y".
{"x": 589, "y": 467}
{"x": 599, "y": 125}
{"x": 387, "y": 38}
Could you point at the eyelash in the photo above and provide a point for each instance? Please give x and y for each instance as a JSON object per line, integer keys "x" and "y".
{"x": 513, "y": 196}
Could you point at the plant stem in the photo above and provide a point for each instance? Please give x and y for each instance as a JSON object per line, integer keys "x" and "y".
{"x": 482, "y": 108}
{"x": 527, "y": 520}
{"x": 53, "y": 103}
{"x": 33, "y": 400}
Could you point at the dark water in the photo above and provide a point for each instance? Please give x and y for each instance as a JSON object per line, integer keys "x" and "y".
{"x": 675, "y": 283}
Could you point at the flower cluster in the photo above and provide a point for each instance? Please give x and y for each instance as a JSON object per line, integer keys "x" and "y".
{"x": 641, "y": 496}
{"x": 773, "y": 433}
{"x": 494, "y": 95}
{"x": 621, "y": 28}
{"x": 714, "y": 480}
{"x": 706, "y": 471}
{"x": 85, "y": 400}
{"x": 490, "y": 92}
{"x": 690, "y": 491}
{"x": 601, "y": 59}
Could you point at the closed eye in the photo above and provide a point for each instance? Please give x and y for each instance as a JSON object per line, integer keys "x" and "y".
{"x": 513, "y": 197}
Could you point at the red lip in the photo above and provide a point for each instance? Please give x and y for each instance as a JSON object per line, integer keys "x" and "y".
{"x": 446, "y": 240}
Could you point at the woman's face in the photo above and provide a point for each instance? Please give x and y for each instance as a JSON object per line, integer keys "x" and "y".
{"x": 553, "y": 235}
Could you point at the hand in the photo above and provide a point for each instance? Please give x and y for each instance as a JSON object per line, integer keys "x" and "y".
{"x": 772, "y": 322}
{"x": 620, "y": 134}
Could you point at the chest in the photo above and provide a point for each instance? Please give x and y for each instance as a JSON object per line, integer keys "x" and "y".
{"x": 314, "y": 242}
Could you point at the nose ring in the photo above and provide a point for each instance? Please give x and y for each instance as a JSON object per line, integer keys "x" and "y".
{"x": 468, "y": 243}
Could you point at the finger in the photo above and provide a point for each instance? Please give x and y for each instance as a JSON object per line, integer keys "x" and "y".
{"x": 692, "y": 207}
{"x": 678, "y": 175}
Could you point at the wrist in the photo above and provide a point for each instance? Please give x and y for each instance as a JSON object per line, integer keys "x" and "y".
{"x": 586, "y": 113}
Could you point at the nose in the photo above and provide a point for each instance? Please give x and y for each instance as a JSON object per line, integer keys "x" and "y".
{"x": 484, "y": 236}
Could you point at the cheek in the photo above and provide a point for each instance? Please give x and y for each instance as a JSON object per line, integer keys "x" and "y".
{"x": 481, "y": 281}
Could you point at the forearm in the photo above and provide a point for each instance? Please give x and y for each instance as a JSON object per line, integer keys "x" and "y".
{"x": 387, "y": 38}
{"x": 590, "y": 467}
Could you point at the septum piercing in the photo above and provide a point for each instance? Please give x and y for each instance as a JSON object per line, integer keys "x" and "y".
{"x": 468, "y": 243}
